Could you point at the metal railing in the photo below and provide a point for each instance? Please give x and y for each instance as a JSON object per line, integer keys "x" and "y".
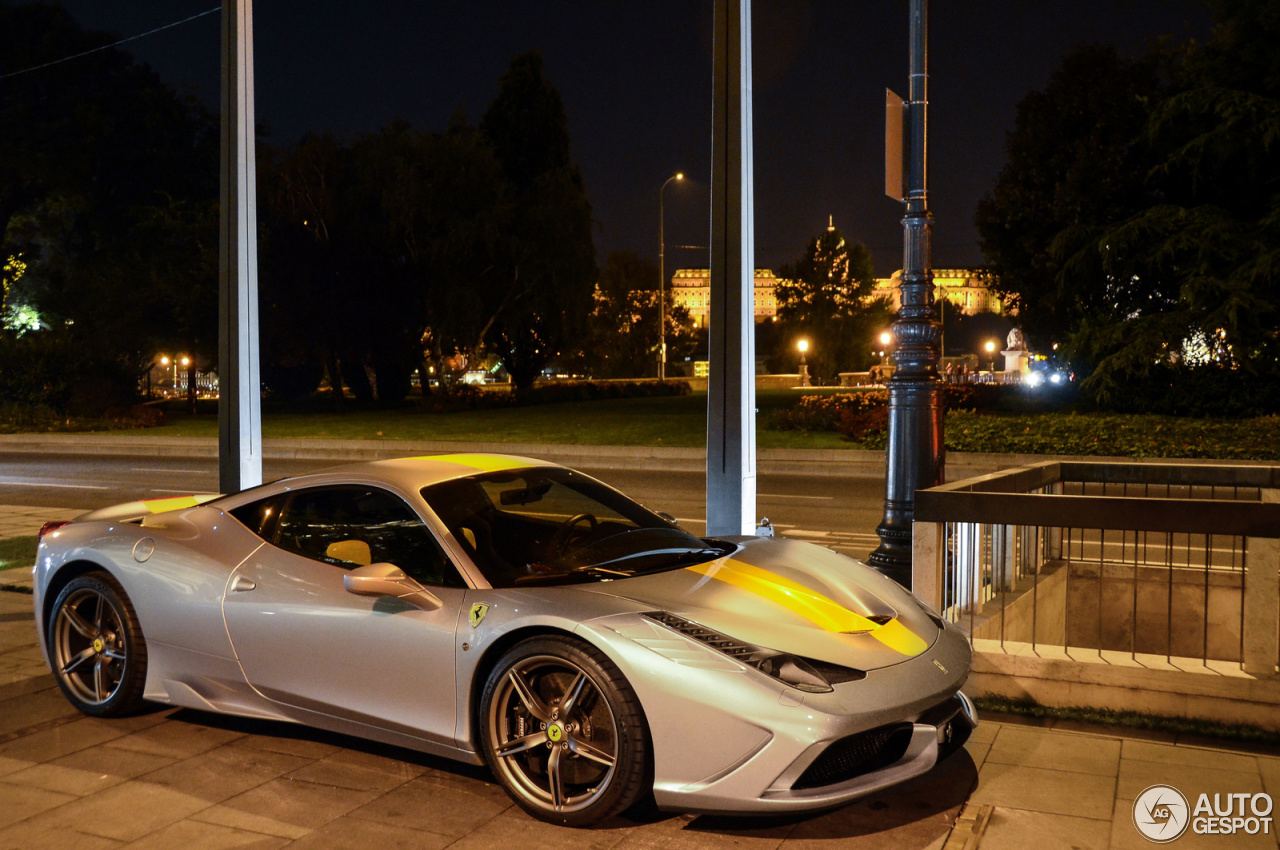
{"x": 1179, "y": 560}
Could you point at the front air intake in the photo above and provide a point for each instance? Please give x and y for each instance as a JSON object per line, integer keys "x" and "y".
{"x": 856, "y": 755}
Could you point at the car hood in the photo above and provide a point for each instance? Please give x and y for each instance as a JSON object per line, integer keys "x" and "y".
{"x": 794, "y": 597}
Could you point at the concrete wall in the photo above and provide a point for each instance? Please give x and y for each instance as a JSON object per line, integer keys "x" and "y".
{"x": 1070, "y": 610}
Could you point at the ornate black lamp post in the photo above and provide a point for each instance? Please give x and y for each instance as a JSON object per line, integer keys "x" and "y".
{"x": 915, "y": 453}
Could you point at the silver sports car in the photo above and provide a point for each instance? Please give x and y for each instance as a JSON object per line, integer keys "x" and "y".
{"x": 510, "y": 612}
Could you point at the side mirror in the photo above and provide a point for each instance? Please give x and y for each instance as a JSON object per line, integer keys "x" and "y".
{"x": 389, "y": 580}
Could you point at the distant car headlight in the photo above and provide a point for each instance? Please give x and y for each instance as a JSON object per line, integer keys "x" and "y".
{"x": 1056, "y": 377}
{"x": 1035, "y": 379}
{"x": 804, "y": 674}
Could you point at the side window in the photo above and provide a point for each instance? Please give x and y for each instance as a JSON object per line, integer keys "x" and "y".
{"x": 258, "y": 516}
{"x": 353, "y": 526}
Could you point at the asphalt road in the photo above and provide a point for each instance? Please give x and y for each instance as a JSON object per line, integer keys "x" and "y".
{"x": 840, "y": 512}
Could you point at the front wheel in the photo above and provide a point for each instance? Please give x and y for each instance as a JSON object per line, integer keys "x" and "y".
{"x": 96, "y": 646}
{"x": 563, "y": 732}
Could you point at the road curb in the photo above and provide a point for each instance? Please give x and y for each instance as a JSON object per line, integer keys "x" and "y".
{"x": 837, "y": 463}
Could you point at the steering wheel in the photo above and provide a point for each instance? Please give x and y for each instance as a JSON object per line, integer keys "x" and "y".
{"x": 560, "y": 540}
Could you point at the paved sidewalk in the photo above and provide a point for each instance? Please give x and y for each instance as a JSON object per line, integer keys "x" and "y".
{"x": 184, "y": 779}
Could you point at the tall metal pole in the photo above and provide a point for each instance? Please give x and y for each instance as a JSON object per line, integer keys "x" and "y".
{"x": 916, "y": 458}
{"x": 240, "y": 400}
{"x": 731, "y": 388}
{"x": 662, "y": 281}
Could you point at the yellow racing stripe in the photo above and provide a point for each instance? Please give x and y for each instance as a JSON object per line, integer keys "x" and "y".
{"x": 159, "y": 506}
{"x": 483, "y": 463}
{"x": 824, "y": 612}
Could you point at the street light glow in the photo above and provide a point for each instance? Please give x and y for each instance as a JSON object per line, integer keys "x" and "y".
{"x": 886, "y": 338}
{"x": 803, "y": 345}
{"x": 991, "y": 346}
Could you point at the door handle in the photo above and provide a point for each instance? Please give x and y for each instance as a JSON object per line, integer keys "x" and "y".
{"x": 241, "y": 583}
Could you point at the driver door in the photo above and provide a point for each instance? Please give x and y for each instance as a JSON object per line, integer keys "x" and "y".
{"x": 303, "y": 640}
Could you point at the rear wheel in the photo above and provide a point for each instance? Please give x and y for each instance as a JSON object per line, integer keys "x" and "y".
{"x": 96, "y": 646}
{"x": 563, "y": 732}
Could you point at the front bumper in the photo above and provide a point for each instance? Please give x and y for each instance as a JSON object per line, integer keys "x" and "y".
{"x": 727, "y": 740}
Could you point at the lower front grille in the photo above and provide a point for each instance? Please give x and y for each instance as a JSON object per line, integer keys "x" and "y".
{"x": 856, "y": 755}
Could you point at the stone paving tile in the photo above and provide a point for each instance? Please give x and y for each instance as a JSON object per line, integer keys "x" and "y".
{"x": 1197, "y": 756}
{"x": 65, "y": 780}
{"x": 26, "y": 710}
{"x": 1125, "y": 836}
{"x": 985, "y": 733}
{"x": 867, "y": 829}
{"x": 199, "y": 835}
{"x": 226, "y": 816}
{"x": 20, "y": 802}
{"x": 331, "y": 771}
{"x": 1191, "y": 780}
{"x": 224, "y": 772}
{"x": 58, "y": 741}
{"x": 348, "y": 833}
{"x": 8, "y": 765}
{"x": 149, "y": 808}
{"x": 977, "y": 752}
{"x": 448, "y": 807}
{"x": 302, "y": 804}
{"x": 514, "y": 828}
{"x": 705, "y": 832}
{"x": 114, "y": 762}
{"x": 1050, "y": 791}
{"x": 1270, "y": 769}
{"x": 177, "y": 739}
{"x": 1033, "y": 747}
{"x": 1018, "y": 829}
{"x": 303, "y": 745}
{"x": 29, "y": 836}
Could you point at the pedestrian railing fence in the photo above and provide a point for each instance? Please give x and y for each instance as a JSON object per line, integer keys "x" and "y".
{"x": 1149, "y": 559}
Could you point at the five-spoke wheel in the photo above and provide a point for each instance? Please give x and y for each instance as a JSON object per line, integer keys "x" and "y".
{"x": 96, "y": 646}
{"x": 563, "y": 731}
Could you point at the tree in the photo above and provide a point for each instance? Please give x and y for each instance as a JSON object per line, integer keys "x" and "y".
{"x": 1072, "y": 169}
{"x": 539, "y": 289}
{"x": 622, "y": 339}
{"x": 95, "y": 153}
{"x": 825, "y": 297}
{"x": 1138, "y": 218}
{"x": 1200, "y": 261}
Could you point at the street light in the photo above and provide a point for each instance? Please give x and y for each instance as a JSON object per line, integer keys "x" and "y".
{"x": 803, "y": 346}
{"x": 662, "y": 281}
{"x": 991, "y": 352}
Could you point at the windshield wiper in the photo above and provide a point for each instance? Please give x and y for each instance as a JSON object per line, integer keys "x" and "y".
{"x": 576, "y": 574}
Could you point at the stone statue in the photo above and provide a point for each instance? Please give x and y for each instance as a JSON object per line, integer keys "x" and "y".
{"x": 1015, "y": 342}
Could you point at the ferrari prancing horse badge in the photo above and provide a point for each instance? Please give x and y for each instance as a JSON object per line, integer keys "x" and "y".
{"x": 476, "y": 617}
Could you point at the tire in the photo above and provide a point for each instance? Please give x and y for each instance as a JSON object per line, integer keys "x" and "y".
{"x": 96, "y": 646}
{"x": 570, "y": 767}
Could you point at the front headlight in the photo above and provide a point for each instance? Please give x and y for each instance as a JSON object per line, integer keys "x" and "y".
{"x": 804, "y": 674}
{"x": 930, "y": 611}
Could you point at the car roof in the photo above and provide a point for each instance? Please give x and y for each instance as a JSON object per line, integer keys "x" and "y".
{"x": 413, "y": 473}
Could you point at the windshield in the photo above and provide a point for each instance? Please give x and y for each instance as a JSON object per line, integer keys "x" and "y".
{"x": 549, "y": 525}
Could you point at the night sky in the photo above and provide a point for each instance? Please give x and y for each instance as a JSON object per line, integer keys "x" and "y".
{"x": 636, "y": 80}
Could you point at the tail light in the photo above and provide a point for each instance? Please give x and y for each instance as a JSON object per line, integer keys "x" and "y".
{"x": 52, "y": 525}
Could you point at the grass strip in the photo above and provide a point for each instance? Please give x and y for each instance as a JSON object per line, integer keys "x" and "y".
{"x": 1131, "y": 720}
{"x": 18, "y": 552}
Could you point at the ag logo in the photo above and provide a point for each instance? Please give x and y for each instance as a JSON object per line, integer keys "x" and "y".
{"x": 476, "y": 617}
{"x": 1161, "y": 813}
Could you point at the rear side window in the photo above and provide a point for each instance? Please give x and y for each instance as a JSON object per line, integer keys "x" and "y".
{"x": 352, "y": 526}
{"x": 258, "y": 517}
